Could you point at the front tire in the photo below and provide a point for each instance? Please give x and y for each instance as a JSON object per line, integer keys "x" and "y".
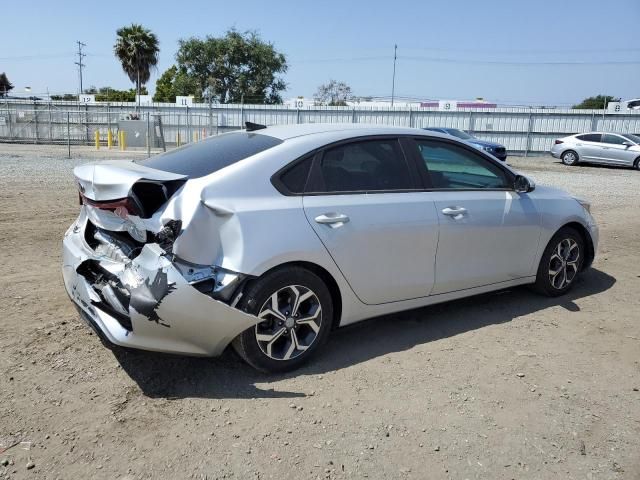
{"x": 561, "y": 262}
{"x": 570, "y": 158}
{"x": 636, "y": 164}
{"x": 296, "y": 311}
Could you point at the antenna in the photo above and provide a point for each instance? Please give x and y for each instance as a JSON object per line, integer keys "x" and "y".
{"x": 79, "y": 62}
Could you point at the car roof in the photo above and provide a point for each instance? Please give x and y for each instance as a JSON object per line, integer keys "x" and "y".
{"x": 285, "y": 132}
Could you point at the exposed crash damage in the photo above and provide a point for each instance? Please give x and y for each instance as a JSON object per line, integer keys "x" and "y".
{"x": 121, "y": 270}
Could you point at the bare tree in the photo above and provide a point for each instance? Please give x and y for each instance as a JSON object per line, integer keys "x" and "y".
{"x": 333, "y": 93}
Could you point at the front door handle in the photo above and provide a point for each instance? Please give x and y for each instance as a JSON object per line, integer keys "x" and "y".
{"x": 455, "y": 212}
{"x": 332, "y": 219}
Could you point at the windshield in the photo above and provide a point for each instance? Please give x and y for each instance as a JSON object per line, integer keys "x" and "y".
{"x": 459, "y": 133}
{"x": 212, "y": 154}
{"x": 633, "y": 138}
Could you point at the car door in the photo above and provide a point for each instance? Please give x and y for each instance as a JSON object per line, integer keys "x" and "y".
{"x": 589, "y": 147}
{"x": 364, "y": 202}
{"x": 615, "y": 151}
{"x": 488, "y": 232}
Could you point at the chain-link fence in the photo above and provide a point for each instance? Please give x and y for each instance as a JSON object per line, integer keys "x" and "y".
{"x": 521, "y": 130}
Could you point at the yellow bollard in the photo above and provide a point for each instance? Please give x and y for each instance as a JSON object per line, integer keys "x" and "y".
{"x": 109, "y": 139}
{"x": 97, "y": 135}
{"x": 124, "y": 140}
{"x": 178, "y": 140}
{"x": 120, "y": 139}
{"x": 195, "y": 136}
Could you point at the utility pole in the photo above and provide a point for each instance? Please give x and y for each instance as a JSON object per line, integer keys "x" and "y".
{"x": 393, "y": 84}
{"x": 79, "y": 62}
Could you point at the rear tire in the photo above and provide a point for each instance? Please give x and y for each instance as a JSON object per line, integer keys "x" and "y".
{"x": 297, "y": 312}
{"x": 636, "y": 164}
{"x": 570, "y": 158}
{"x": 561, "y": 263}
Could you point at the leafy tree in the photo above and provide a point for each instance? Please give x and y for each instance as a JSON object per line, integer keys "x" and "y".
{"x": 175, "y": 82}
{"x": 226, "y": 69}
{"x": 597, "y": 102}
{"x": 5, "y": 85}
{"x": 108, "y": 94}
{"x": 333, "y": 93}
{"x": 137, "y": 49}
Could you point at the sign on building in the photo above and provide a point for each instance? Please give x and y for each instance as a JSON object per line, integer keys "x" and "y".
{"x": 86, "y": 98}
{"x": 448, "y": 105}
{"x": 183, "y": 101}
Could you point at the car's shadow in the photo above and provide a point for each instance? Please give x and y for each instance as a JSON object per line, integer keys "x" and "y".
{"x": 170, "y": 376}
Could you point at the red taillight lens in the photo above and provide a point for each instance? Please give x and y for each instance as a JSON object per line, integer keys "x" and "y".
{"x": 558, "y": 142}
{"x": 126, "y": 203}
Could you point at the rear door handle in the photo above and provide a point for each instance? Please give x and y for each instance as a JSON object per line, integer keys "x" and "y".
{"x": 455, "y": 212}
{"x": 332, "y": 219}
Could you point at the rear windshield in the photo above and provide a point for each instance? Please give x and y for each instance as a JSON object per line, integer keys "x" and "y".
{"x": 212, "y": 154}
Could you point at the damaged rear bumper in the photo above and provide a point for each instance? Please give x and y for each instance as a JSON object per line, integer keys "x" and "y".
{"x": 164, "y": 312}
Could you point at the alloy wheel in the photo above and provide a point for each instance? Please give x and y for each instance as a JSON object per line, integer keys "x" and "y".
{"x": 563, "y": 264}
{"x": 569, "y": 158}
{"x": 291, "y": 319}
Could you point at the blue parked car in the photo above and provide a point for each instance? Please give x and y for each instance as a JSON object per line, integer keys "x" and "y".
{"x": 495, "y": 149}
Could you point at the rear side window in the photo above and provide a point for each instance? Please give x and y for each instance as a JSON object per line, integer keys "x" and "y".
{"x": 366, "y": 166}
{"x": 212, "y": 154}
{"x": 295, "y": 178}
{"x": 589, "y": 137}
{"x": 454, "y": 167}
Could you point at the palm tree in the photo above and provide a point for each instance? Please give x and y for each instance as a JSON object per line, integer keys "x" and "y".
{"x": 137, "y": 49}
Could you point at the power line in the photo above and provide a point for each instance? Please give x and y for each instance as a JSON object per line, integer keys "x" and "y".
{"x": 79, "y": 62}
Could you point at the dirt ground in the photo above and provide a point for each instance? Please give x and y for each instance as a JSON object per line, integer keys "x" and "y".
{"x": 507, "y": 385}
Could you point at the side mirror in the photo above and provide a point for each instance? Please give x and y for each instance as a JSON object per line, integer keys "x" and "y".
{"x": 627, "y": 144}
{"x": 523, "y": 185}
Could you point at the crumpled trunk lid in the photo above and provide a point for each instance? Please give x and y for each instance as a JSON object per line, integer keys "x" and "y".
{"x": 114, "y": 179}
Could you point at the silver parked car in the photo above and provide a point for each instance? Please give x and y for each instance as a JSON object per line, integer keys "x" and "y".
{"x": 599, "y": 147}
{"x": 269, "y": 238}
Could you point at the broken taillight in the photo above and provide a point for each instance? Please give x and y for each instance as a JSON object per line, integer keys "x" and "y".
{"x": 124, "y": 205}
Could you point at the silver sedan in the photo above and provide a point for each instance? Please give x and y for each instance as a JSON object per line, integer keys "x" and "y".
{"x": 266, "y": 239}
{"x": 621, "y": 149}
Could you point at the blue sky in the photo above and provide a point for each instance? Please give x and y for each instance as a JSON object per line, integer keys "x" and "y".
{"x": 446, "y": 49}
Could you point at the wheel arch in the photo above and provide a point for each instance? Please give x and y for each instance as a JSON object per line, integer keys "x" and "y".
{"x": 586, "y": 238}
{"x": 325, "y": 276}
{"x": 571, "y": 149}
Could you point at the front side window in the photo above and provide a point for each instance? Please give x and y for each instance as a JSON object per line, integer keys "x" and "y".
{"x": 460, "y": 134}
{"x": 454, "y": 167}
{"x": 367, "y": 166}
{"x": 612, "y": 139}
{"x": 634, "y": 138}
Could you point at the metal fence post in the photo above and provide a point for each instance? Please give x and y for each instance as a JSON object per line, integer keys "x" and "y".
{"x": 188, "y": 126}
{"x": 148, "y": 137}
{"x": 297, "y": 115}
{"x": 210, "y": 127}
{"x": 353, "y": 115}
{"x": 472, "y": 122}
{"x": 86, "y": 121}
{"x": 35, "y": 115}
{"x": 68, "y": 136}
{"x": 528, "y": 140}
{"x": 410, "y": 117}
{"x": 50, "y": 122}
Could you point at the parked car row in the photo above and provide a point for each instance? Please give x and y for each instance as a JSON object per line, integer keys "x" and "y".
{"x": 599, "y": 147}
